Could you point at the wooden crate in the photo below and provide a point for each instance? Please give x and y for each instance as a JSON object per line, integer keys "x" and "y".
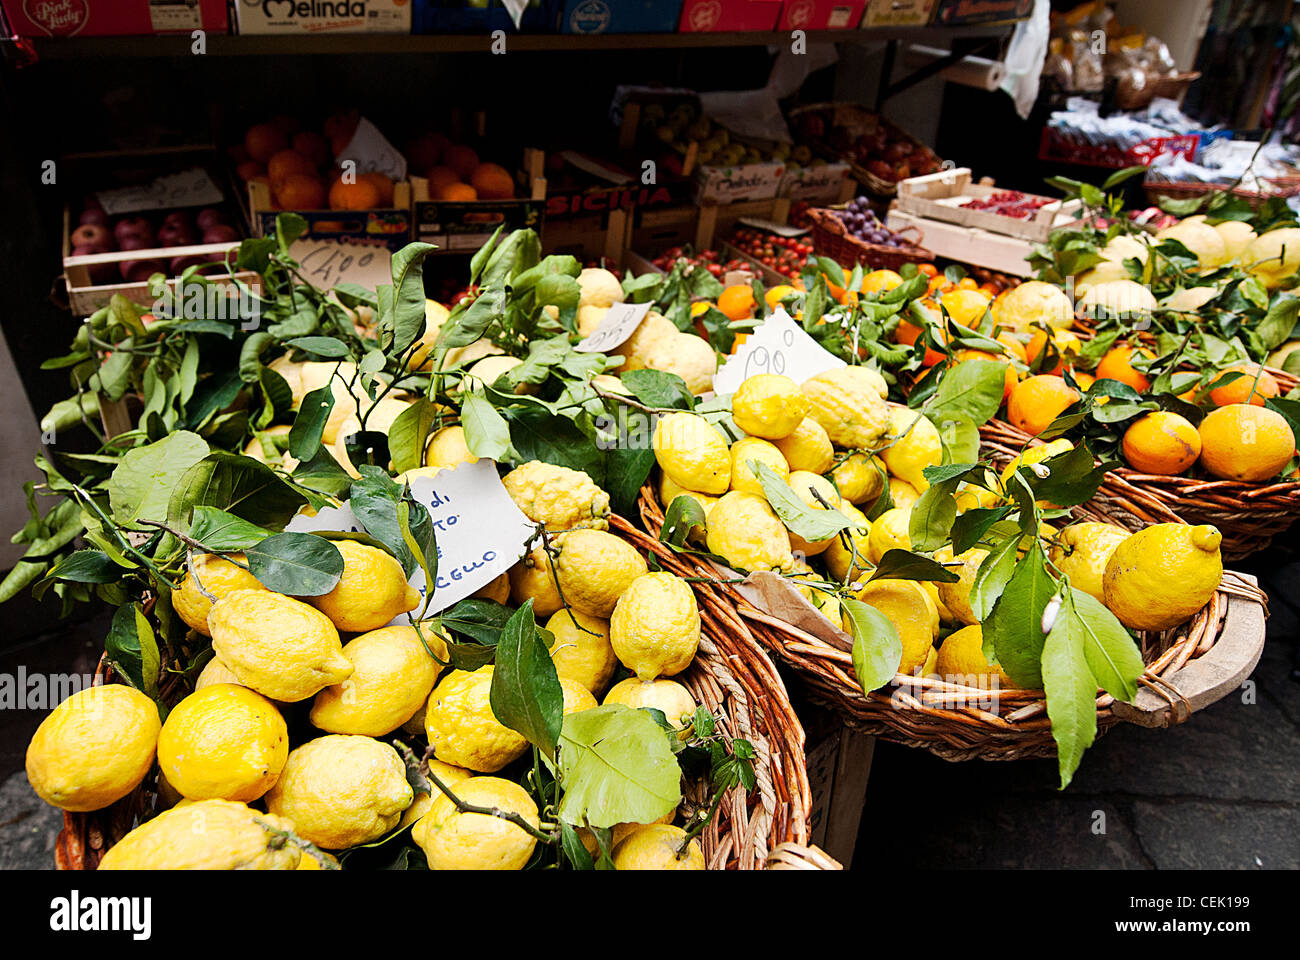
{"x": 392, "y": 224}
{"x": 938, "y": 196}
{"x": 981, "y": 248}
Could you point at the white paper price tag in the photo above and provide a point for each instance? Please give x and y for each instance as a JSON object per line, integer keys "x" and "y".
{"x": 327, "y": 263}
{"x": 372, "y": 152}
{"x": 779, "y": 345}
{"x": 619, "y": 323}
{"x": 189, "y": 188}
{"x": 479, "y": 530}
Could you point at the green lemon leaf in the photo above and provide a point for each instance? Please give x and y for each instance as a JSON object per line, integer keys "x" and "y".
{"x": 1279, "y": 322}
{"x": 1072, "y": 479}
{"x": 682, "y": 515}
{"x": 398, "y": 331}
{"x": 239, "y": 485}
{"x": 932, "y": 516}
{"x": 409, "y": 434}
{"x": 571, "y": 843}
{"x": 970, "y": 527}
{"x": 483, "y": 620}
{"x": 309, "y": 425}
{"x": 374, "y": 499}
{"x": 1113, "y": 657}
{"x": 142, "y": 484}
{"x": 86, "y": 566}
{"x": 1071, "y": 691}
{"x": 971, "y": 390}
{"x": 296, "y": 564}
{"x": 802, "y": 520}
{"x": 616, "y": 767}
{"x": 899, "y": 564}
{"x": 218, "y": 530}
{"x": 325, "y": 348}
{"x": 526, "y": 694}
{"x": 877, "y": 648}
{"x": 487, "y": 434}
{"x": 656, "y": 388}
{"x": 133, "y": 649}
{"x": 1015, "y": 626}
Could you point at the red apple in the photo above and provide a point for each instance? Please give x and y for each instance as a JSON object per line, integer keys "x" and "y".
{"x": 92, "y": 235}
{"x": 133, "y": 227}
{"x": 220, "y": 233}
{"x": 134, "y": 242}
{"x": 94, "y": 215}
{"x": 178, "y": 264}
{"x": 138, "y": 271}
{"x": 175, "y": 235}
{"x": 209, "y": 217}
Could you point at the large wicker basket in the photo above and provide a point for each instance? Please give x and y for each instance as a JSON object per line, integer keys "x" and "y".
{"x": 831, "y": 238}
{"x": 731, "y": 676}
{"x": 1249, "y": 515}
{"x": 1188, "y": 668}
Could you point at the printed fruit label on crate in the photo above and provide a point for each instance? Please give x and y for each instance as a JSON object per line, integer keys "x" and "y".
{"x": 777, "y": 345}
{"x": 479, "y": 530}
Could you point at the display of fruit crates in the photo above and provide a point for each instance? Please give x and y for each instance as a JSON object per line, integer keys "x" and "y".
{"x": 940, "y": 196}
{"x": 390, "y": 226}
{"x": 972, "y": 245}
{"x": 875, "y": 149}
{"x": 102, "y": 18}
{"x": 462, "y": 226}
{"x": 832, "y": 239}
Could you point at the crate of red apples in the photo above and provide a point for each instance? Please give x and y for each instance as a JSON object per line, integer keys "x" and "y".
{"x": 951, "y": 196}
{"x": 879, "y": 153}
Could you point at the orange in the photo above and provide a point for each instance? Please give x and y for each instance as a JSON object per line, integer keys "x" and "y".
{"x": 1238, "y": 390}
{"x": 1162, "y": 443}
{"x": 361, "y": 195}
{"x": 426, "y": 150}
{"x": 907, "y": 334}
{"x": 966, "y": 306}
{"x": 737, "y": 302}
{"x": 775, "y": 295}
{"x": 938, "y": 283}
{"x": 1118, "y": 365}
{"x": 1067, "y": 348}
{"x": 929, "y": 269}
{"x": 250, "y": 170}
{"x": 299, "y": 191}
{"x": 967, "y": 283}
{"x": 1013, "y": 345}
{"x": 381, "y": 183}
{"x": 493, "y": 182}
{"x": 1241, "y": 441}
{"x": 314, "y": 147}
{"x": 1037, "y": 401}
{"x": 460, "y": 158}
{"x": 440, "y": 177}
{"x": 1011, "y": 378}
{"x": 263, "y": 141}
{"x": 457, "y": 193}
{"x": 879, "y": 280}
{"x": 1084, "y": 380}
{"x": 286, "y": 162}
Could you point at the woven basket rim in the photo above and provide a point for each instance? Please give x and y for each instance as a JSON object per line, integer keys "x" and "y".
{"x": 947, "y": 718}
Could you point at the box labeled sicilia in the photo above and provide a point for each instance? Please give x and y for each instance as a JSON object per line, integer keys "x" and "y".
{"x": 101, "y": 18}
{"x": 322, "y": 16}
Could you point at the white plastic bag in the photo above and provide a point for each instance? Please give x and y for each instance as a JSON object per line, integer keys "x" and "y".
{"x": 1025, "y": 56}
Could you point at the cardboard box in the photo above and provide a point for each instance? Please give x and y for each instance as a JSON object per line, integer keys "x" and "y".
{"x": 102, "y": 18}
{"x": 620, "y": 16}
{"x": 389, "y": 226}
{"x": 820, "y": 15}
{"x": 458, "y": 16}
{"x": 982, "y": 248}
{"x": 952, "y": 13}
{"x": 898, "y": 13}
{"x": 729, "y": 16}
{"x": 939, "y": 196}
{"x": 463, "y": 227}
{"x": 751, "y": 181}
{"x": 323, "y": 16}
{"x": 826, "y": 183}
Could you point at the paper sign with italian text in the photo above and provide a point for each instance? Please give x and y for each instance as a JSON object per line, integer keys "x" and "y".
{"x": 479, "y": 531}
{"x": 328, "y": 263}
{"x": 778, "y": 345}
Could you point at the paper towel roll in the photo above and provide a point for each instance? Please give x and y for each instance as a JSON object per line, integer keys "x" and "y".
{"x": 969, "y": 71}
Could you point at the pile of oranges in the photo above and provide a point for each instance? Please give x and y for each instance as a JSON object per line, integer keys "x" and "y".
{"x": 298, "y": 165}
{"x": 455, "y": 172}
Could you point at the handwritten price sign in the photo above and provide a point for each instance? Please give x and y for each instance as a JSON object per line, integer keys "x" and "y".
{"x": 327, "y": 263}
{"x": 619, "y": 323}
{"x": 778, "y": 345}
{"x": 190, "y": 188}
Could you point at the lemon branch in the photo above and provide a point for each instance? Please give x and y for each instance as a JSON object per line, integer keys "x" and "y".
{"x": 279, "y": 838}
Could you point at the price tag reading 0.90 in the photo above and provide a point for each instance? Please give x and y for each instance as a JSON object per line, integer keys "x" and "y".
{"x": 769, "y": 360}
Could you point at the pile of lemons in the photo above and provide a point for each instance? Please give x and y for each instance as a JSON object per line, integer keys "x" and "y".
{"x": 248, "y": 779}
{"x": 837, "y": 444}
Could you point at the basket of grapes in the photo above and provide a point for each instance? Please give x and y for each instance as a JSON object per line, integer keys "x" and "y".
{"x": 852, "y": 233}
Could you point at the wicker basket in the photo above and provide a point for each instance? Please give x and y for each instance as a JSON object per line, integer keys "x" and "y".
{"x": 731, "y": 676}
{"x": 830, "y": 238}
{"x": 1249, "y": 515}
{"x": 1171, "y": 87}
{"x": 1188, "y": 668}
{"x": 1157, "y": 190}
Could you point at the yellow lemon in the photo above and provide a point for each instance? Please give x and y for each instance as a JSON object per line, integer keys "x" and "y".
{"x": 94, "y": 748}
{"x": 762, "y": 451}
{"x": 447, "y": 448}
{"x": 692, "y": 453}
{"x": 658, "y": 846}
{"x": 208, "y": 835}
{"x": 961, "y": 660}
{"x": 214, "y": 671}
{"x": 582, "y": 651}
{"x": 461, "y": 727}
{"x": 849, "y": 405}
{"x": 655, "y": 628}
{"x": 859, "y": 478}
{"x": 889, "y": 531}
{"x": 808, "y": 447}
{"x": 224, "y": 742}
{"x": 392, "y": 676}
{"x": 1160, "y": 576}
{"x": 452, "y": 840}
{"x": 914, "y": 444}
{"x": 745, "y": 531}
{"x": 371, "y": 591}
{"x": 910, "y": 609}
{"x": 219, "y": 576}
{"x": 594, "y": 568}
{"x": 956, "y": 596}
{"x": 339, "y": 790}
{"x": 768, "y": 405}
{"x": 668, "y": 696}
{"x": 533, "y": 578}
{"x": 1081, "y": 552}
{"x": 847, "y": 557}
{"x": 558, "y": 497}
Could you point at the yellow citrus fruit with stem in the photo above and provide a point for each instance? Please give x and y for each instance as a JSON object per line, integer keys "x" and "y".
{"x": 956, "y": 596}
{"x": 961, "y": 660}
{"x": 452, "y": 840}
{"x": 1161, "y": 575}
{"x": 533, "y": 578}
{"x": 889, "y": 531}
{"x": 667, "y": 696}
{"x": 582, "y": 651}
{"x": 219, "y": 576}
{"x": 371, "y": 591}
{"x": 808, "y": 447}
{"x": 848, "y": 555}
{"x": 914, "y": 444}
{"x": 207, "y": 835}
{"x": 849, "y": 405}
{"x": 909, "y": 608}
{"x": 461, "y": 727}
{"x": 561, "y": 498}
{"x": 859, "y": 478}
{"x": 749, "y": 449}
{"x": 692, "y": 453}
{"x": 393, "y": 672}
{"x": 1081, "y": 552}
{"x": 224, "y": 742}
{"x": 658, "y": 846}
{"x": 594, "y": 568}
{"x": 745, "y": 531}
{"x": 655, "y": 628}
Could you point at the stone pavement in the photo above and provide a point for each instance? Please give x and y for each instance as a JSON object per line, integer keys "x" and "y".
{"x": 1220, "y": 791}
